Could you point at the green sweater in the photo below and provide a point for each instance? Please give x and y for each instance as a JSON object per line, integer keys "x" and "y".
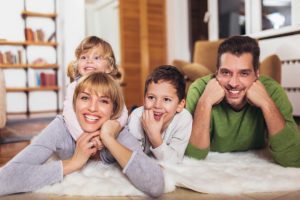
{"x": 246, "y": 129}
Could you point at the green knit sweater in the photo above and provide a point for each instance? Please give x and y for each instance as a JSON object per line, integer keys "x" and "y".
{"x": 246, "y": 129}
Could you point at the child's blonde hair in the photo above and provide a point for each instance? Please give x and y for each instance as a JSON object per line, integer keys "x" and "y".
{"x": 100, "y": 82}
{"x": 87, "y": 44}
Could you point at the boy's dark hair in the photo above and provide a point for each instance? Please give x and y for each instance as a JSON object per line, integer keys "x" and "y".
{"x": 167, "y": 73}
{"x": 238, "y": 45}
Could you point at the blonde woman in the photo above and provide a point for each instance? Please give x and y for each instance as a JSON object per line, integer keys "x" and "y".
{"x": 97, "y": 102}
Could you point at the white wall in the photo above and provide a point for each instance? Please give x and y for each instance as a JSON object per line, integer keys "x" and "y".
{"x": 287, "y": 49}
{"x": 177, "y": 30}
{"x": 72, "y": 31}
{"x": 103, "y": 21}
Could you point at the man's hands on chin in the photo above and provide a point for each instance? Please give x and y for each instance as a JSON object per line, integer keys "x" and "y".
{"x": 257, "y": 95}
{"x": 213, "y": 94}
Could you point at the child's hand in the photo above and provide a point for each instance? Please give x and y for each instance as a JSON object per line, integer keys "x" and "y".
{"x": 152, "y": 127}
{"x": 110, "y": 128}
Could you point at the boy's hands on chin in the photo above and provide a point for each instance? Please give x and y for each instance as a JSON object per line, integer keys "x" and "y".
{"x": 153, "y": 127}
{"x": 257, "y": 94}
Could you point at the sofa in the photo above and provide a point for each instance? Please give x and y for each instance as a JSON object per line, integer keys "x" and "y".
{"x": 2, "y": 100}
{"x": 205, "y": 61}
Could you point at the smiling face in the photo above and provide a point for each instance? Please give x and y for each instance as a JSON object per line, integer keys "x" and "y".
{"x": 236, "y": 74}
{"x": 161, "y": 97}
{"x": 93, "y": 61}
{"x": 92, "y": 110}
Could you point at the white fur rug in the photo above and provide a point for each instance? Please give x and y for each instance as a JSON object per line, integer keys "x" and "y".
{"x": 223, "y": 173}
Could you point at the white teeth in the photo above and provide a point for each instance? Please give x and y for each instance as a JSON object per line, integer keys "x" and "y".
{"x": 234, "y": 91}
{"x": 90, "y": 117}
{"x": 157, "y": 113}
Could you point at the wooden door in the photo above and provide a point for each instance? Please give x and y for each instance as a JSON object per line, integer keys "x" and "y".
{"x": 143, "y": 44}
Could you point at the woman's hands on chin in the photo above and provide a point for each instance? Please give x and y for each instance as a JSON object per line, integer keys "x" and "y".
{"x": 86, "y": 146}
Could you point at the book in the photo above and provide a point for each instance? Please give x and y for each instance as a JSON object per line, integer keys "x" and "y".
{"x": 20, "y": 57}
{"x": 40, "y": 35}
{"x": 1, "y": 58}
{"x": 29, "y": 35}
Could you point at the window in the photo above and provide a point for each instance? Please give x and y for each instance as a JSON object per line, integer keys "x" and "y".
{"x": 231, "y": 18}
{"x": 275, "y": 14}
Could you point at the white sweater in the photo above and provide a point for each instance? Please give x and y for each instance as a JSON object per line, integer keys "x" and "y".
{"x": 175, "y": 137}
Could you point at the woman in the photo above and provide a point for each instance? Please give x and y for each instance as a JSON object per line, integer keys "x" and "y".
{"x": 97, "y": 99}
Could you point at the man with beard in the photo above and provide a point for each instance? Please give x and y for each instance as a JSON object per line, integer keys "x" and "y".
{"x": 236, "y": 109}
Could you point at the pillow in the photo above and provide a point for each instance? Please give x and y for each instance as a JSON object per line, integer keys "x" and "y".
{"x": 271, "y": 66}
{"x": 179, "y": 64}
{"x": 2, "y": 100}
{"x": 194, "y": 71}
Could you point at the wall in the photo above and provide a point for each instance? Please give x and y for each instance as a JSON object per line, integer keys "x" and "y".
{"x": 289, "y": 54}
{"x": 97, "y": 23}
{"x": 71, "y": 29}
{"x": 177, "y": 30}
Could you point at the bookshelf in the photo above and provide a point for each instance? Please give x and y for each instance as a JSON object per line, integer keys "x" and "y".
{"x": 43, "y": 74}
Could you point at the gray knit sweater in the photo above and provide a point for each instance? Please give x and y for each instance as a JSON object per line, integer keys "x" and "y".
{"x": 29, "y": 171}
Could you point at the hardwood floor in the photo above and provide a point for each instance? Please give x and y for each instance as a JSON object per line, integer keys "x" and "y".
{"x": 7, "y": 151}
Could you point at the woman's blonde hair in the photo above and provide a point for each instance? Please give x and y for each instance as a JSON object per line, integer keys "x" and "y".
{"x": 87, "y": 44}
{"x": 101, "y": 83}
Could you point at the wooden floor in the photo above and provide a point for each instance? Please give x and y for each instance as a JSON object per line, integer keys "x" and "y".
{"x": 7, "y": 151}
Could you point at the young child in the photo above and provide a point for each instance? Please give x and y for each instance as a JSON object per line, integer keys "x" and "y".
{"x": 162, "y": 125}
{"x": 92, "y": 55}
{"x": 97, "y": 100}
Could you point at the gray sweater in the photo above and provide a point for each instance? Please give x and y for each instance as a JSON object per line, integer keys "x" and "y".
{"x": 29, "y": 170}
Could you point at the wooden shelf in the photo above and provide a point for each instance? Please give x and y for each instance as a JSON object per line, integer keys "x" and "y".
{"x": 30, "y": 89}
{"x": 37, "y": 14}
{"x": 26, "y": 43}
{"x": 13, "y": 66}
{"x": 33, "y": 66}
{"x": 43, "y": 66}
{"x": 11, "y": 43}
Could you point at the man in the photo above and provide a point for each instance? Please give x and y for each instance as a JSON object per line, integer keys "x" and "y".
{"x": 237, "y": 109}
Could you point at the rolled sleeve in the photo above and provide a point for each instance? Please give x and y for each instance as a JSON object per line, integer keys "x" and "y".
{"x": 194, "y": 152}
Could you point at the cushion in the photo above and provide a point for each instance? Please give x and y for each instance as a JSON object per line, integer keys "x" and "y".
{"x": 195, "y": 70}
{"x": 271, "y": 66}
{"x": 206, "y": 52}
{"x": 2, "y": 100}
{"x": 179, "y": 64}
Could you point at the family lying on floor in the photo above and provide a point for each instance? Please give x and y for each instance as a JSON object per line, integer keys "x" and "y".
{"x": 234, "y": 109}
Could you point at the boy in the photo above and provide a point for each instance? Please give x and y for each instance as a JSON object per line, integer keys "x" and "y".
{"x": 162, "y": 125}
